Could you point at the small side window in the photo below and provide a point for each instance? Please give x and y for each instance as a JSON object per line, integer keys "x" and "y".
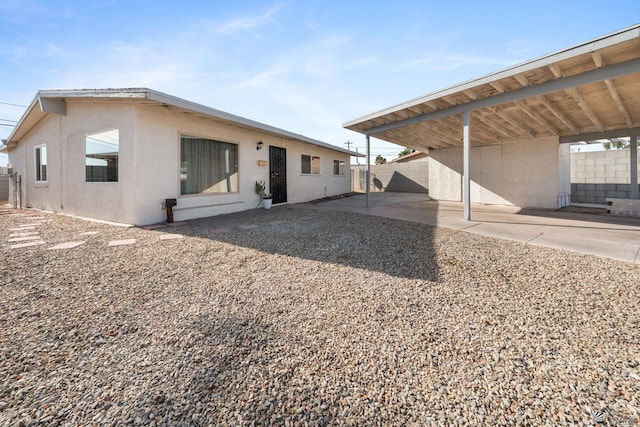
{"x": 338, "y": 167}
{"x": 41, "y": 163}
{"x": 102, "y": 151}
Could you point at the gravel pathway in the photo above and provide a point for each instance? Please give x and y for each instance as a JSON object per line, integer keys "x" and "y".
{"x": 297, "y": 317}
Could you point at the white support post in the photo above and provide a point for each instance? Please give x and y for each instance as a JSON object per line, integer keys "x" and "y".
{"x": 466, "y": 167}
{"x": 368, "y": 173}
{"x": 633, "y": 151}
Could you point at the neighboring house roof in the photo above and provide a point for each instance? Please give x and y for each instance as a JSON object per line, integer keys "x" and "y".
{"x": 53, "y": 101}
{"x": 589, "y": 91}
{"x": 409, "y": 157}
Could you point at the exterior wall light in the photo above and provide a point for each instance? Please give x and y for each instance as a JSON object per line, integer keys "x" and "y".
{"x": 259, "y": 145}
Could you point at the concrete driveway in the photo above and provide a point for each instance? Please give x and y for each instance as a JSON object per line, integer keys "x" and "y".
{"x": 601, "y": 235}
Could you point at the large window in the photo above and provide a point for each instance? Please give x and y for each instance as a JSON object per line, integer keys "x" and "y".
{"x": 338, "y": 167}
{"x": 207, "y": 166}
{"x": 310, "y": 165}
{"x": 41, "y": 163}
{"x": 101, "y": 156}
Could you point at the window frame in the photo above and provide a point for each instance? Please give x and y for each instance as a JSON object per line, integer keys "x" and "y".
{"x": 341, "y": 167}
{"x": 117, "y": 159}
{"x": 37, "y": 150}
{"x": 195, "y": 136}
{"x": 311, "y": 164}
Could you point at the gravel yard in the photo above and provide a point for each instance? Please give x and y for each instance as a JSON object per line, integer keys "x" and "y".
{"x": 297, "y": 317}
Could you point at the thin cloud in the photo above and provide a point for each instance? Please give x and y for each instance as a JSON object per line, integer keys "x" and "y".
{"x": 361, "y": 63}
{"x": 448, "y": 62}
{"x": 247, "y": 23}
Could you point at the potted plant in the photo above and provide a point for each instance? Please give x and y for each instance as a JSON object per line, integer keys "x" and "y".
{"x": 265, "y": 198}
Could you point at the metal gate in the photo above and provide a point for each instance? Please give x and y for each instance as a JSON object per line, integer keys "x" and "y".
{"x": 278, "y": 174}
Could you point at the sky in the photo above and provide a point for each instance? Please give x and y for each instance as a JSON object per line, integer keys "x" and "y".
{"x": 303, "y": 66}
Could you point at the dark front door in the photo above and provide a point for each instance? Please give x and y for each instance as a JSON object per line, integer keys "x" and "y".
{"x": 278, "y": 173}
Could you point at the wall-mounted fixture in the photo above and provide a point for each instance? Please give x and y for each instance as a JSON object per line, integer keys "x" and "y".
{"x": 259, "y": 145}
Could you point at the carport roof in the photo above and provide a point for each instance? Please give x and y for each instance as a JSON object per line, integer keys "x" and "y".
{"x": 586, "y": 92}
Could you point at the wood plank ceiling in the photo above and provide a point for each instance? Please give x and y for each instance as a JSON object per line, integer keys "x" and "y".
{"x": 602, "y": 106}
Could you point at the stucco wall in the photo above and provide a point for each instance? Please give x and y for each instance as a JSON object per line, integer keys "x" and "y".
{"x": 65, "y": 189}
{"x": 523, "y": 173}
{"x": 148, "y": 170}
{"x": 158, "y": 134}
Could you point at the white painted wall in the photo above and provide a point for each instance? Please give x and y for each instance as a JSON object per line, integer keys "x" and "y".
{"x": 149, "y": 164}
{"x": 522, "y": 173}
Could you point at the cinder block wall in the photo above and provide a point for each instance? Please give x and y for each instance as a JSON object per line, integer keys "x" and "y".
{"x": 598, "y": 175}
{"x": 412, "y": 177}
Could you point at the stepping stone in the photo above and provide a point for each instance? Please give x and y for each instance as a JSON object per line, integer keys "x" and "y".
{"x": 122, "y": 242}
{"x": 176, "y": 224}
{"x": 25, "y": 245}
{"x": 28, "y": 233}
{"x": 89, "y": 233}
{"x": 248, "y": 227}
{"x": 154, "y": 226}
{"x": 67, "y": 245}
{"x": 171, "y": 236}
{"x": 24, "y": 238}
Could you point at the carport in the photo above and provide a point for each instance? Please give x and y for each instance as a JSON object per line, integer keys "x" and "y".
{"x": 514, "y": 119}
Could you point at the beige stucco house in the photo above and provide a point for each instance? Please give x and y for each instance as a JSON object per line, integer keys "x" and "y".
{"x": 118, "y": 154}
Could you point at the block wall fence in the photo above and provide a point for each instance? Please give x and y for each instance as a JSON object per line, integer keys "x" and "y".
{"x": 598, "y": 175}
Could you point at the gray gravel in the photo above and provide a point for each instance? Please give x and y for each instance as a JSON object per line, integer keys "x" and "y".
{"x": 297, "y": 317}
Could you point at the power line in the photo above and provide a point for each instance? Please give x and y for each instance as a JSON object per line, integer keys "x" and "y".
{"x": 13, "y": 105}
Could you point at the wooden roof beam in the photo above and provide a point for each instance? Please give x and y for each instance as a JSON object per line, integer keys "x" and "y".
{"x": 537, "y": 117}
{"x": 597, "y": 58}
{"x": 525, "y": 129}
{"x": 490, "y": 125}
{"x": 585, "y": 107}
{"x": 564, "y": 119}
{"x": 522, "y": 79}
